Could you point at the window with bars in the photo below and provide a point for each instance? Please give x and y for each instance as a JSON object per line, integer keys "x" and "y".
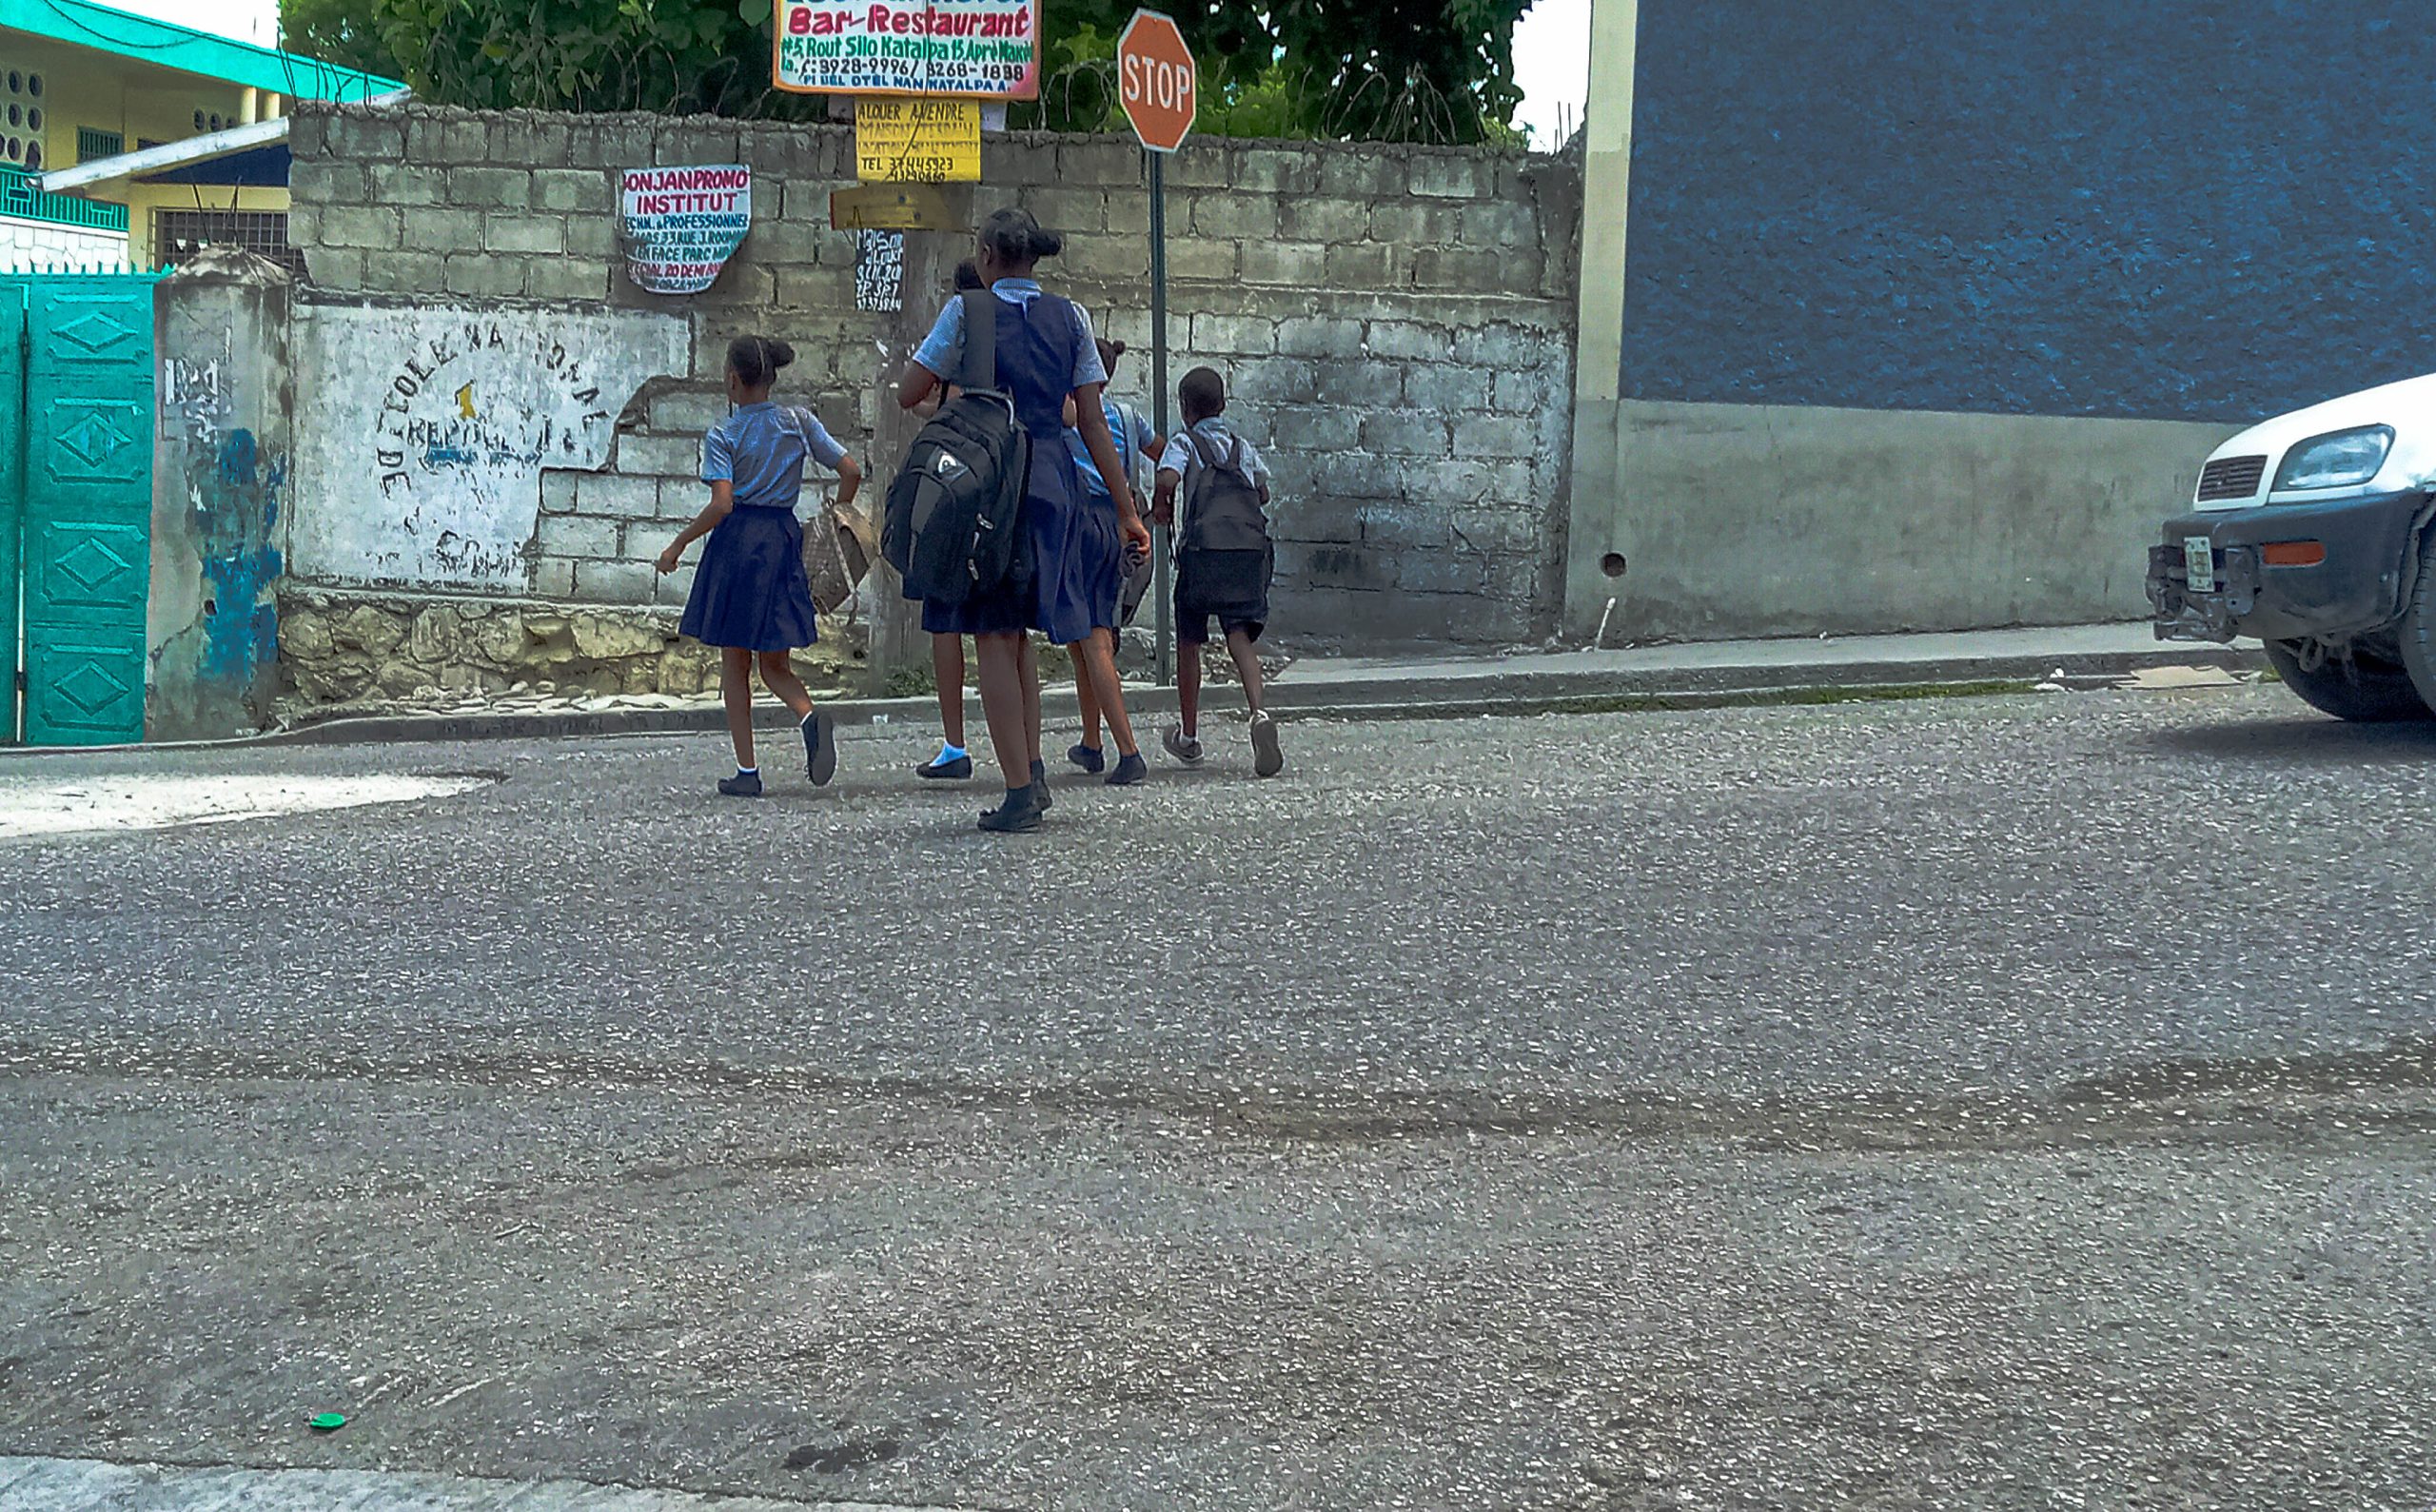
{"x": 91, "y": 143}
{"x": 180, "y": 234}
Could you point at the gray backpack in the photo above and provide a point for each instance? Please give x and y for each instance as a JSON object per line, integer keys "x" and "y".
{"x": 1222, "y": 507}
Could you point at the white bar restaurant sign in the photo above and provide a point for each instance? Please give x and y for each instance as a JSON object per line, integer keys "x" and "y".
{"x": 678, "y": 228}
{"x": 975, "y": 49}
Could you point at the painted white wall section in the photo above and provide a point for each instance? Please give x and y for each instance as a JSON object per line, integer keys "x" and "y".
{"x": 39, "y": 247}
{"x": 423, "y": 432}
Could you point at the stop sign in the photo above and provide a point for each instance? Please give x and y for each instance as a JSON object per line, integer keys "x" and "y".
{"x": 1155, "y": 81}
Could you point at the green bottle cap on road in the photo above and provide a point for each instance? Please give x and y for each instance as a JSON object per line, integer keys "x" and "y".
{"x": 324, "y": 1422}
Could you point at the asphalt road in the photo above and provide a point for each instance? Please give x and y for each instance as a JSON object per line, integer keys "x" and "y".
{"x": 2012, "y": 1103}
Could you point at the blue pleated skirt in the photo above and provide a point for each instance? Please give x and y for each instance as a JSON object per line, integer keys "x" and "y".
{"x": 750, "y": 592}
{"x": 1078, "y": 567}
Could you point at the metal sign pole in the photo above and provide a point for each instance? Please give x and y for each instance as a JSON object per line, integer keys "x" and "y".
{"x": 1160, "y": 543}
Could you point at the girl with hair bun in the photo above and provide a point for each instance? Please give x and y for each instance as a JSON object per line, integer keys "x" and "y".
{"x": 751, "y": 596}
{"x": 1046, "y": 356}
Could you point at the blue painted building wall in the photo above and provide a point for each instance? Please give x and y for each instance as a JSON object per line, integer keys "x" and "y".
{"x": 2169, "y": 209}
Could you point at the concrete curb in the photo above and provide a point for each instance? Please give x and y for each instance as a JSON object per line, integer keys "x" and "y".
{"x": 1507, "y": 687}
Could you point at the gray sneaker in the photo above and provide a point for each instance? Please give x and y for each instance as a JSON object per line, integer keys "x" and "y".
{"x": 1267, "y": 759}
{"x": 1183, "y": 747}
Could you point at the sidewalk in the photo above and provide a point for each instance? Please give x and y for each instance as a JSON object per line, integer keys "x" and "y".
{"x": 30, "y": 1483}
{"x": 1702, "y": 673}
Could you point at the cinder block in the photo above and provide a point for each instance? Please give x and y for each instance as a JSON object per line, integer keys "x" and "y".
{"x": 1366, "y": 265}
{"x": 574, "y": 191}
{"x": 523, "y": 232}
{"x": 1204, "y": 260}
{"x": 682, "y": 498}
{"x": 693, "y": 141}
{"x": 333, "y": 267}
{"x": 1416, "y": 225}
{"x": 409, "y": 185}
{"x": 372, "y": 227}
{"x": 325, "y": 181}
{"x": 1233, "y": 215}
{"x": 687, "y": 411}
{"x": 1447, "y": 387}
{"x": 558, "y": 491}
{"x": 1307, "y": 517}
{"x": 577, "y": 535}
{"x": 490, "y": 188}
{"x": 614, "y": 582}
{"x": 620, "y": 495}
{"x": 1104, "y": 162}
{"x": 554, "y": 577}
{"x": 1364, "y": 172}
{"x": 404, "y": 272}
{"x": 1417, "y": 522}
{"x": 1273, "y": 383}
{"x": 1343, "y": 567}
{"x": 1513, "y": 347}
{"x": 436, "y": 229}
{"x": 643, "y": 540}
{"x": 1302, "y": 428}
{"x": 1499, "y": 227}
{"x": 1495, "y": 436}
{"x": 611, "y": 143}
{"x": 1521, "y": 392}
{"x": 364, "y": 136}
{"x": 1497, "y": 531}
{"x": 1319, "y": 337}
{"x": 593, "y": 238}
{"x": 1355, "y": 475}
{"x": 1325, "y": 220}
{"x": 1209, "y": 165}
{"x": 819, "y": 288}
{"x": 1237, "y": 335}
{"x": 303, "y": 225}
{"x": 1410, "y": 341}
{"x": 1444, "y": 485}
{"x": 447, "y": 137}
{"x": 307, "y": 135}
{"x": 1113, "y": 259}
{"x": 1068, "y": 210}
{"x": 676, "y": 587}
{"x": 1295, "y": 265}
{"x": 1362, "y": 382}
{"x": 567, "y": 278}
{"x": 1406, "y": 433}
{"x": 1452, "y": 176}
{"x": 531, "y": 139}
{"x": 659, "y": 454}
{"x": 1127, "y": 210}
{"x": 1280, "y": 170}
{"x": 782, "y": 152}
{"x": 1464, "y": 271}
{"x": 1439, "y": 572}
{"x": 489, "y": 275}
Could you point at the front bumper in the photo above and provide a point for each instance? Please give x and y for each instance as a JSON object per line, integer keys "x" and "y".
{"x": 2357, "y": 589}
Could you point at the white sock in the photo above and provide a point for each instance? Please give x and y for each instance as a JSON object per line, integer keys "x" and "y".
{"x": 748, "y": 772}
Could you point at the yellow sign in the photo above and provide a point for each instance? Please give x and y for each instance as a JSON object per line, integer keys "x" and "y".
{"x": 918, "y": 140}
{"x": 895, "y": 208}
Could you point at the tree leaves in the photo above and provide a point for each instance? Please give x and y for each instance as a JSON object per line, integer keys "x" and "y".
{"x": 1405, "y": 71}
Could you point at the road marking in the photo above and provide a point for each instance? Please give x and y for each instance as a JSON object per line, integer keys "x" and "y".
{"x": 38, "y": 1484}
{"x": 83, "y": 805}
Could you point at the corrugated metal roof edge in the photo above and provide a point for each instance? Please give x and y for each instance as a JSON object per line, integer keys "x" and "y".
{"x": 165, "y": 44}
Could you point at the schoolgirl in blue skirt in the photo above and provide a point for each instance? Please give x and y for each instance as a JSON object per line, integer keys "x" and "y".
{"x": 751, "y": 596}
{"x": 1046, "y": 356}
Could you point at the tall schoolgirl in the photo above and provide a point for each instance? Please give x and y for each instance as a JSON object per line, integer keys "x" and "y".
{"x": 954, "y": 763}
{"x": 751, "y": 596}
{"x": 1046, "y": 356}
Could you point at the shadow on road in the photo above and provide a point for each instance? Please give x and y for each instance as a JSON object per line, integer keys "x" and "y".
{"x": 2303, "y": 743}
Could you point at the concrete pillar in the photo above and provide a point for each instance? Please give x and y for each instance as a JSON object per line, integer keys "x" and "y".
{"x": 220, "y": 494}
{"x": 1593, "y": 549}
{"x": 897, "y": 642}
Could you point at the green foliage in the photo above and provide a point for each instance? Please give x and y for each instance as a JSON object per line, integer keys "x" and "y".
{"x": 1403, "y": 70}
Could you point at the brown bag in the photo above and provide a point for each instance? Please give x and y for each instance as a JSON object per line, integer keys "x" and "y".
{"x": 837, "y": 551}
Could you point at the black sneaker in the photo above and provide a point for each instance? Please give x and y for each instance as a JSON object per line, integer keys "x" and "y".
{"x": 1129, "y": 770}
{"x": 959, "y": 769}
{"x": 820, "y": 747}
{"x": 1040, "y": 797}
{"x": 1087, "y": 757}
{"x": 742, "y": 785}
{"x": 1018, "y": 814}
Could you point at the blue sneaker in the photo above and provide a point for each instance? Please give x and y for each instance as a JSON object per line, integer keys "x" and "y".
{"x": 1087, "y": 757}
{"x": 820, "y": 747}
{"x": 944, "y": 768}
{"x": 1129, "y": 770}
{"x": 742, "y": 785}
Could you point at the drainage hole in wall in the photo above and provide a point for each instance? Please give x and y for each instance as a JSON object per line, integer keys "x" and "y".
{"x": 1612, "y": 564}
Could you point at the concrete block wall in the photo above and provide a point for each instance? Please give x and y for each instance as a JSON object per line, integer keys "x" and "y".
{"x": 1393, "y": 321}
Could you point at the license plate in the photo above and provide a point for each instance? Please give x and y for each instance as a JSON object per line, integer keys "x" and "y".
{"x": 2199, "y": 563}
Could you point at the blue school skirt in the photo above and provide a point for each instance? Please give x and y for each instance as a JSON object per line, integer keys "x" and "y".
{"x": 750, "y": 592}
{"x": 1077, "y": 561}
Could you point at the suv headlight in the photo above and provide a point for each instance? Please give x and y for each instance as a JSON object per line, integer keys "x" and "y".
{"x": 2337, "y": 459}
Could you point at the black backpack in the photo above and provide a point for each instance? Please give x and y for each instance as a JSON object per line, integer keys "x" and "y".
{"x": 954, "y": 519}
{"x": 1222, "y": 507}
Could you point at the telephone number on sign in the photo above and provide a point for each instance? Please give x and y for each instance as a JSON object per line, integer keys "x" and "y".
{"x": 882, "y": 169}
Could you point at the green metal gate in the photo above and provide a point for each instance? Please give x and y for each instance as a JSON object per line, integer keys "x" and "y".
{"x": 75, "y": 503}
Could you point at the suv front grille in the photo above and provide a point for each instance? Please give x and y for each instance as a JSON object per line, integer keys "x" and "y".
{"x": 2230, "y": 478}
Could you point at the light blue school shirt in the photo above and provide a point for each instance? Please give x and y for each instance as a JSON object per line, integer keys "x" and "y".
{"x": 942, "y": 351}
{"x": 762, "y": 449}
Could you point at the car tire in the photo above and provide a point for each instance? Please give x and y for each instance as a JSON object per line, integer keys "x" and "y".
{"x": 2417, "y": 631}
{"x": 2365, "y": 689}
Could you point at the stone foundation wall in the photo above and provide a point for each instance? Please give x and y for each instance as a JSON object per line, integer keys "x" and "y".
{"x": 343, "y": 647}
